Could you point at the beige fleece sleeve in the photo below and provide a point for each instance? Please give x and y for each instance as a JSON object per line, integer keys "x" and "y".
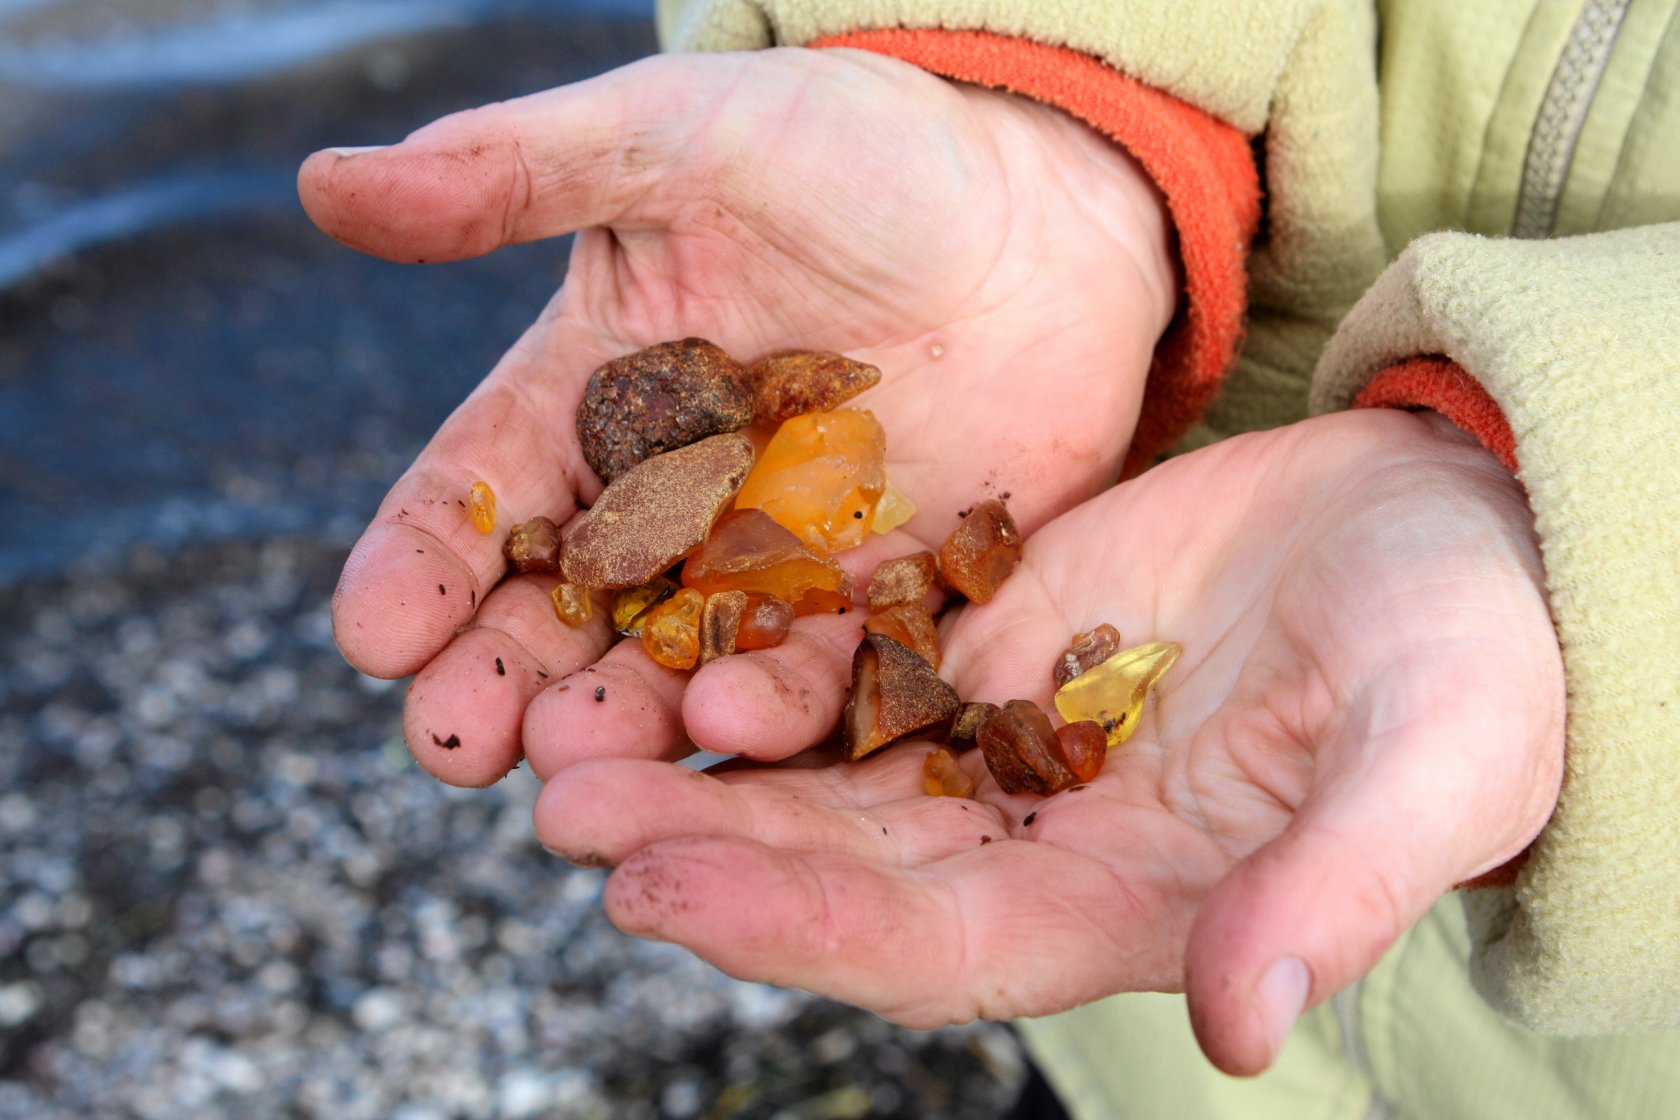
{"x": 1578, "y": 341}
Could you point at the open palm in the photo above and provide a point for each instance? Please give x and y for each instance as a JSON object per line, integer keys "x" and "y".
{"x": 1368, "y": 710}
{"x": 1004, "y": 265}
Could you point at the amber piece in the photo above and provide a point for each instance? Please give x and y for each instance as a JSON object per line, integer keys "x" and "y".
{"x": 655, "y": 513}
{"x": 671, "y": 630}
{"x": 902, "y": 580}
{"x": 765, "y": 623}
{"x": 1084, "y": 747}
{"x": 981, "y": 552}
{"x": 1022, "y": 750}
{"x": 1113, "y": 693}
{"x": 482, "y": 503}
{"x": 720, "y": 621}
{"x": 790, "y": 382}
{"x": 910, "y": 625}
{"x": 1087, "y": 650}
{"x": 659, "y": 399}
{"x": 632, "y": 604}
{"x": 572, "y": 604}
{"x": 942, "y": 777}
{"x": 820, "y": 477}
{"x": 747, "y": 551}
{"x": 893, "y": 510}
{"x": 895, "y": 694}
{"x": 966, "y": 725}
{"x": 533, "y": 546}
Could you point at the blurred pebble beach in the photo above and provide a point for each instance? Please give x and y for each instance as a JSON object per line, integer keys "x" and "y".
{"x": 225, "y": 889}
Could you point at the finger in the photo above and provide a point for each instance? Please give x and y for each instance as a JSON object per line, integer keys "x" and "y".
{"x": 1006, "y": 929}
{"x": 463, "y": 713}
{"x": 537, "y": 166}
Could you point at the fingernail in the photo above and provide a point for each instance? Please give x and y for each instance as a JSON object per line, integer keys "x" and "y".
{"x": 345, "y": 153}
{"x": 1281, "y": 995}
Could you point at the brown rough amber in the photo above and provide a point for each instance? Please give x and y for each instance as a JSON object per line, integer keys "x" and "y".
{"x": 747, "y": 551}
{"x": 1084, "y": 748}
{"x": 720, "y": 621}
{"x": 632, "y": 604}
{"x": 572, "y": 604}
{"x": 764, "y": 623}
{"x": 895, "y": 694}
{"x": 533, "y": 546}
{"x": 966, "y": 725}
{"x": 483, "y": 506}
{"x": 820, "y": 477}
{"x": 910, "y": 625}
{"x": 659, "y": 399}
{"x": 1022, "y": 750}
{"x": 671, "y": 630}
{"x": 1087, "y": 650}
{"x": 790, "y": 382}
{"x": 902, "y": 580}
{"x": 981, "y": 552}
{"x": 943, "y": 777}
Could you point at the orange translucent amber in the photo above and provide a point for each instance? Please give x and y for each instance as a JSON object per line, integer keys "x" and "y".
{"x": 671, "y": 631}
{"x": 910, "y": 625}
{"x": 572, "y": 604}
{"x": 821, "y": 476}
{"x": 483, "y": 506}
{"x": 942, "y": 777}
{"x": 1084, "y": 747}
{"x": 764, "y": 622}
{"x": 747, "y": 551}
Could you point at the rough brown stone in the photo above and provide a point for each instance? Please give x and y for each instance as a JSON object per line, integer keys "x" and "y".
{"x": 659, "y": 399}
{"x": 895, "y": 694}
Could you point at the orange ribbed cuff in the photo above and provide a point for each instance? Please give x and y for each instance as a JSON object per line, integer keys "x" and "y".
{"x": 1203, "y": 167}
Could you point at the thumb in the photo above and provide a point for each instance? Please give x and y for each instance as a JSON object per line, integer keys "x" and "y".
{"x": 538, "y": 166}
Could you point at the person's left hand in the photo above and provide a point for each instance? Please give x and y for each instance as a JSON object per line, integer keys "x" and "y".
{"x": 1368, "y": 710}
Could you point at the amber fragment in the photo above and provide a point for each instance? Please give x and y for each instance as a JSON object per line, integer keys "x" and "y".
{"x": 966, "y": 725}
{"x": 632, "y": 604}
{"x": 1022, "y": 751}
{"x": 747, "y": 551}
{"x": 943, "y": 777}
{"x": 1113, "y": 693}
{"x": 1084, "y": 747}
{"x": 981, "y": 552}
{"x": 720, "y": 621}
{"x": 820, "y": 477}
{"x": 671, "y": 631}
{"x": 1087, "y": 650}
{"x": 790, "y": 382}
{"x": 533, "y": 546}
{"x": 902, "y": 580}
{"x": 659, "y": 399}
{"x": 893, "y": 510}
{"x": 895, "y": 694}
{"x": 483, "y": 505}
{"x": 910, "y": 625}
{"x": 764, "y": 623}
{"x": 572, "y": 604}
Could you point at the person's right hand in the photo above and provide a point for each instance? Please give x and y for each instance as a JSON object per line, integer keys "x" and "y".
{"x": 1006, "y": 267}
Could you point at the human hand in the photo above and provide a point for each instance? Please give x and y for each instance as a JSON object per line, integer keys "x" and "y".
{"x": 1007, "y": 268}
{"x": 1368, "y": 710}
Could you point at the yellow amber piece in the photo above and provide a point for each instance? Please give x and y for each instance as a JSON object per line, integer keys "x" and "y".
{"x": 572, "y": 604}
{"x": 483, "y": 506}
{"x": 671, "y": 630}
{"x": 943, "y": 776}
{"x": 821, "y": 476}
{"x": 893, "y": 510}
{"x": 1113, "y": 693}
{"x": 630, "y": 606}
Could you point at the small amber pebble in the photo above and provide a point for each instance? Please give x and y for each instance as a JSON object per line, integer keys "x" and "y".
{"x": 910, "y": 625}
{"x": 533, "y": 546}
{"x": 720, "y": 621}
{"x": 632, "y": 604}
{"x": 967, "y": 724}
{"x": 1113, "y": 693}
{"x": 671, "y": 630}
{"x": 1087, "y": 650}
{"x": 981, "y": 552}
{"x": 1084, "y": 747}
{"x": 789, "y": 382}
{"x": 1022, "y": 750}
{"x": 902, "y": 580}
{"x": 893, "y": 510}
{"x": 764, "y": 623}
{"x": 572, "y": 604}
{"x": 942, "y": 777}
{"x": 747, "y": 551}
{"x": 483, "y": 504}
{"x": 820, "y": 477}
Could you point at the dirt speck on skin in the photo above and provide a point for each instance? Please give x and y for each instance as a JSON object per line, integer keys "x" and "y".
{"x": 448, "y": 744}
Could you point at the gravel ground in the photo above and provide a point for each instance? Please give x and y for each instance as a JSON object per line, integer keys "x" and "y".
{"x": 226, "y": 891}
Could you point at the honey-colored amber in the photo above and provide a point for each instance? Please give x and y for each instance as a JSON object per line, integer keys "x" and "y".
{"x": 893, "y": 510}
{"x": 764, "y": 622}
{"x": 632, "y": 604}
{"x": 820, "y": 477}
{"x": 981, "y": 552}
{"x": 1113, "y": 693}
{"x": 483, "y": 506}
{"x": 1022, "y": 751}
{"x": 671, "y": 630}
{"x": 910, "y": 625}
{"x": 1084, "y": 747}
{"x": 572, "y": 604}
{"x": 942, "y": 777}
{"x": 748, "y": 551}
